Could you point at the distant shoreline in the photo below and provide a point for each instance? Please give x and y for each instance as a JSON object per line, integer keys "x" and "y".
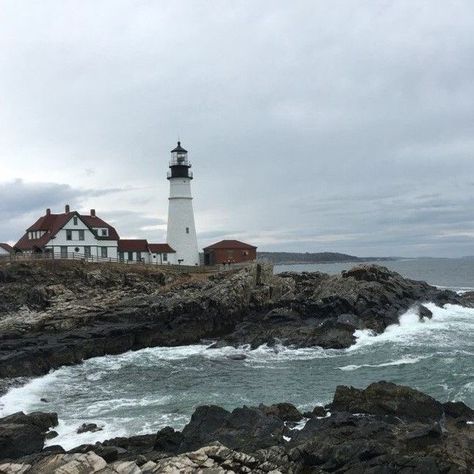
{"x": 296, "y": 258}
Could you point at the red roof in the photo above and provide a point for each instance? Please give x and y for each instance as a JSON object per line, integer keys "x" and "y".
{"x": 96, "y": 222}
{"x": 160, "y": 248}
{"x": 231, "y": 245}
{"x": 6, "y": 247}
{"x": 132, "y": 245}
{"x": 53, "y": 223}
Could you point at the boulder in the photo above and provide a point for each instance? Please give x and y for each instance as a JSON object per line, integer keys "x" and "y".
{"x": 458, "y": 410}
{"x": 168, "y": 440}
{"x": 88, "y": 427}
{"x": 384, "y": 398}
{"x": 18, "y": 440}
{"x": 246, "y": 429}
{"x": 284, "y": 411}
{"x": 44, "y": 421}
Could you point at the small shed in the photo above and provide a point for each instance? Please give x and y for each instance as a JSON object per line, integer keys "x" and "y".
{"x": 229, "y": 251}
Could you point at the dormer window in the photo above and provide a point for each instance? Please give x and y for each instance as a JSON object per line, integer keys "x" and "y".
{"x": 105, "y": 232}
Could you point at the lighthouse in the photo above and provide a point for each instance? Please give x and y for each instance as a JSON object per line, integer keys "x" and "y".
{"x": 181, "y": 228}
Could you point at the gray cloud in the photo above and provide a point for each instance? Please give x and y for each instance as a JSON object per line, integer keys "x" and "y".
{"x": 311, "y": 128}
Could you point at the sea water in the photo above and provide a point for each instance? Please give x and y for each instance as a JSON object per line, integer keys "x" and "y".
{"x": 143, "y": 391}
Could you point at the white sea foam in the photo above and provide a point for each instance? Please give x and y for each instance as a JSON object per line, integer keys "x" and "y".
{"x": 411, "y": 330}
{"x": 402, "y": 361}
{"x": 116, "y": 392}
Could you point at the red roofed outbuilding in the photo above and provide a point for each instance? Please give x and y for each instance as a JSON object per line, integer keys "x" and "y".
{"x": 229, "y": 251}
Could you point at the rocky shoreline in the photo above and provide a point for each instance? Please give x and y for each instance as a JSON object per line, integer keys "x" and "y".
{"x": 385, "y": 428}
{"x": 62, "y": 313}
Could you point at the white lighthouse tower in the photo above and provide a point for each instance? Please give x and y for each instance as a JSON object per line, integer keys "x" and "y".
{"x": 181, "y": 228}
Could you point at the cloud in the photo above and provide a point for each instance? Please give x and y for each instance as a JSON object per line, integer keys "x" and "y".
{"x": 310, "y": 128}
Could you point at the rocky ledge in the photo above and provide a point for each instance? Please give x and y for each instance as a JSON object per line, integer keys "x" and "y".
{"x": 59, "y": 313}
{"x": 385, "y": 428}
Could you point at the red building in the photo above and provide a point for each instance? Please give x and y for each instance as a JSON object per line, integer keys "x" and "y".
{"x": 229, "y": 251}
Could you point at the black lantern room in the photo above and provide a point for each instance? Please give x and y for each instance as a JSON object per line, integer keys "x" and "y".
{"x": 179, "y": 163}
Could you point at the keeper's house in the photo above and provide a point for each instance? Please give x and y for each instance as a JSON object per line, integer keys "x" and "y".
{"x": 229, "y": 251}
{"x": 70, "y": 235}
{"x": 5, "y": 250}
{"x": 140, "y": 251}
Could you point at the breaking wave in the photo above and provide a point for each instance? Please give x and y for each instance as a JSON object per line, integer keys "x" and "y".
{"x": 143, "y": 391}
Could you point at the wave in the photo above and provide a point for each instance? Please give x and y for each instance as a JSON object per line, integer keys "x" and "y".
{"x": 402, "y": 361}
{"x": 413, "y": 331}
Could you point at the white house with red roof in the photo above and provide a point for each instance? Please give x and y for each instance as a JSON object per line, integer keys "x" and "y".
{"x": 70, "y": 235}
{"x": 78, "y": 236}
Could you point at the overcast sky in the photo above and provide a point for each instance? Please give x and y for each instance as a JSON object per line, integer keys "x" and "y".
{"x": 312, "y": 125}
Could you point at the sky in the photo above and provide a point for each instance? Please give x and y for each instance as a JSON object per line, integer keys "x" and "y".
{"x": 344, "y": 126}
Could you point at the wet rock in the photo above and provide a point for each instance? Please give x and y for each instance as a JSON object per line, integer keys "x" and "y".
{"x": 42, "y": 420}
{"x": 168, "y": 440}
{"x": 284, "y": 411}
{"x": 236, "y": 356}
{"x": 458, "y": 410}
{"x": 318, "y": 411}
{"x": 244, "y": 429}
{"x": 18, "y": 440}
{"x": 88, "y": 427}
{"x": 22, "y": 434}
{"x": 51, "y": 434}
{"x": 384, "y": 398}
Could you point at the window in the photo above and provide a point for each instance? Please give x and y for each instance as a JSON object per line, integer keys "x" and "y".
{"x": 63, "y": 251}
{"x": 68, "y": 234}
{"x": 130, "y": 256}
{"x": 103, "y": 252}
{"x": 74, "y": 220}
{"x": 165, "y": 257}
{"x": 187, "y": 230}
{"x": 105, "y": 232}
{"x": 121, "y": 256}
{"x": 139, "y": 256}
{"x": 76, "y": 249}
{"x": 87, "y": 251}
{"x": 81, "y": 235}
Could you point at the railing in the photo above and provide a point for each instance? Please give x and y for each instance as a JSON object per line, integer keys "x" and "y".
{"x": 177, "y": 162}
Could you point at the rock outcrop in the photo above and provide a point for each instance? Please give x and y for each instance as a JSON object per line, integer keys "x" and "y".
{"x": 60, "y": 313}
{"x": 22, "y": 434}
{"x": 385, "y": 428}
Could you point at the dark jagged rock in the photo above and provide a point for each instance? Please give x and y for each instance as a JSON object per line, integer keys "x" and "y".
{"x": 458, "y": 410}
{"x": 60, "y": 313}
{"x": 168, "y": 440}
{"x": 284, "y": 411}
{"x": 88, "y": 427}
{"x": 386, "y": 439}
{"x": 245, "y": 429}
{"x": 22, "y": 434}
{"x": 384, "y": 398}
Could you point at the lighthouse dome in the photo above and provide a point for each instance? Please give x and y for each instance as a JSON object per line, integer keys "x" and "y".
{"x": 179, "y": 149}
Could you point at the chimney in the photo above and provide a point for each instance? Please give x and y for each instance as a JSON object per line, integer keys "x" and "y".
{"x": 92, "y": 212}
{"x": 67, "y": 208}
{"x": 48, "y": 211}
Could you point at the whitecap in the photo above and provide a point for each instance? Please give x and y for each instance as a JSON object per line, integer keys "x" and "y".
{"x": 402, "y": 361}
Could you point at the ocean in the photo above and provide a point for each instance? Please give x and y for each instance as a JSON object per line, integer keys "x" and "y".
{"x": 141, "y": 392}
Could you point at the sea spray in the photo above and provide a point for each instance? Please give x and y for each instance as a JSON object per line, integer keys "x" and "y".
{"x": 143, "y": 391}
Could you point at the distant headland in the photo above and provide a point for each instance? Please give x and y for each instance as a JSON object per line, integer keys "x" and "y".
{"x": 288, "y": 258}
